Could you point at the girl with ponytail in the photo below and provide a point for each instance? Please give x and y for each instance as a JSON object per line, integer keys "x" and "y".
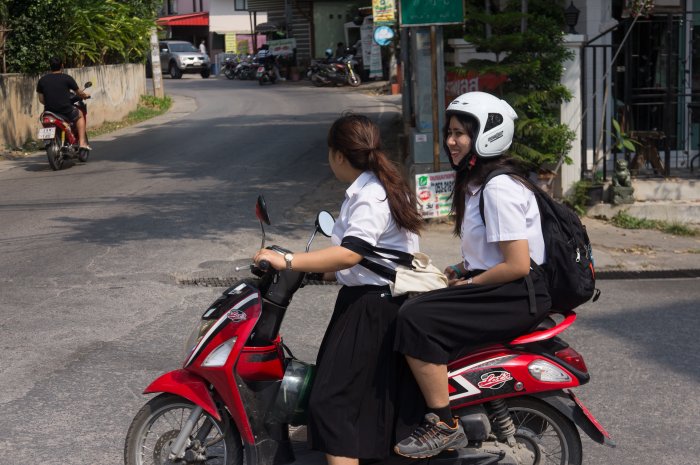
{"x": 351, "y": 408}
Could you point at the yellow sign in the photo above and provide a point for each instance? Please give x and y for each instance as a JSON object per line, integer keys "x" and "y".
{"x": 230, "y": 42}
{"x": 384, "y": 11}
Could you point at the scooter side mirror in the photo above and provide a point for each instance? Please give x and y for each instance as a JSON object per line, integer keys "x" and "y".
{"x": 88, "y": 84}
{"x": 261, "y": 210}
{"x": 324, "y": 223}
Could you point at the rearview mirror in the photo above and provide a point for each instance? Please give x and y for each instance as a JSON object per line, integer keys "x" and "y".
{"x": 325, "y": 223}
{"x": 88, "y": 84}
{"x": 261, "y": 210}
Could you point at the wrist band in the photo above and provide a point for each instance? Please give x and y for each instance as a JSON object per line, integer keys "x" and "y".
{"x": 457, "y": 271}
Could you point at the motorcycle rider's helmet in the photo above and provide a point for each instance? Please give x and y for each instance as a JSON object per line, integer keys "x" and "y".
{"x": 329, "y": 53}
{"x": 495, "y": 120}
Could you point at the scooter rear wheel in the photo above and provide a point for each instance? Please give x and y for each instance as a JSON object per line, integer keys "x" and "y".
{"x": 53, "y": 152}
{"x": 155, "y": 427}
{"x": 541, "y": 429}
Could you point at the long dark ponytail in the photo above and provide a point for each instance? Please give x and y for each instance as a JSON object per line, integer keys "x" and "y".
{"x": 359, "y": 140}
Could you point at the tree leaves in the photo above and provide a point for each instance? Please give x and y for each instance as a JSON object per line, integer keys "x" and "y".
{"x": 81, "y": 32}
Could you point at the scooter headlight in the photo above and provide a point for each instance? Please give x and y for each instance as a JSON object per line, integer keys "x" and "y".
{"x": 218, "y": 356}
{"x": 547, "y": 372}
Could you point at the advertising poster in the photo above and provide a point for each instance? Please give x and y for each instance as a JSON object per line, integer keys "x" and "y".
{"x": 384, "y": 11}
{"x": 433, "y": 193}
{"x": 230, "y": 43}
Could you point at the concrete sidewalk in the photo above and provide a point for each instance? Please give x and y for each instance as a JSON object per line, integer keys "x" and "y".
{"x": 616, "y": 251}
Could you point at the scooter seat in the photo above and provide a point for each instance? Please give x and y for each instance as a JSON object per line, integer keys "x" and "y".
{"x": 55, "y": 115}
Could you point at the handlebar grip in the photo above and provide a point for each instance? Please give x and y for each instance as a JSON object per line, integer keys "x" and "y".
{"x": 264, "y": 265}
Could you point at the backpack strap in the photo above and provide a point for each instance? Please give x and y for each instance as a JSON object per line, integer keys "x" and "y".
{"x": 528, "y": 279}
{"x": 364, "y": 248}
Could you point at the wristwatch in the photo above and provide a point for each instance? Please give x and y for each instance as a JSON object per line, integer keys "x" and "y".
{"x": 288, "y": 257}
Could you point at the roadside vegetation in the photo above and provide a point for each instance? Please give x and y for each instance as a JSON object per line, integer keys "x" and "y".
{"x": 89, "y": 32}
{"x": 529, "y": 49}
{"x": 624, "y": 220}
{"x": 148, "y": 107}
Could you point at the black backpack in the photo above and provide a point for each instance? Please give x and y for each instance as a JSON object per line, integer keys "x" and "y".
{"x": 569, "y": 268}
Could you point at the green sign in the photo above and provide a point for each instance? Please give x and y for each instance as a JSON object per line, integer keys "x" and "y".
{"x": 431, "y": 12}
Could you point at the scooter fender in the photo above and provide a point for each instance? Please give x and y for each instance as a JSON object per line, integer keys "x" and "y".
{"x": 572, "y": 408}
{"x": 186, "y": 385}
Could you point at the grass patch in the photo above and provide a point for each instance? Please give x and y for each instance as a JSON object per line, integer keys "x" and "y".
{"x": 623, "y": 220}
{"x": 149, "y": 107}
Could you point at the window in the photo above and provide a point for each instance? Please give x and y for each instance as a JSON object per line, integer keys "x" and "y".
{"x": 240, "y": 5}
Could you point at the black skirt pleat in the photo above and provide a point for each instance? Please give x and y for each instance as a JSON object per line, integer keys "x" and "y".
{"x": 352, "y": 404}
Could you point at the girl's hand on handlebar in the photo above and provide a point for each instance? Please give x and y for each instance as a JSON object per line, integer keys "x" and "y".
{"x": 276, "y": 260}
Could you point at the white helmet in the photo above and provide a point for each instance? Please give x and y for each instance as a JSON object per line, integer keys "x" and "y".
{"x": 495, "y": 118}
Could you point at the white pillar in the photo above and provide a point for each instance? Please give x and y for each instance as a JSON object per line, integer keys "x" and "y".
{"x": 571, "y": 111}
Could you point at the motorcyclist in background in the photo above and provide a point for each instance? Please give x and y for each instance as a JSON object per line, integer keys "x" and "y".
{"x": 265, "y": 57}
{"x": 55, "y": 90}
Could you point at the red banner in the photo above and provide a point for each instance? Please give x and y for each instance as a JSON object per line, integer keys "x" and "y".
{"x": 459, "y": 83}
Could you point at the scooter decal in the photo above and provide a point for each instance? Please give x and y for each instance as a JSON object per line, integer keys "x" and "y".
{"x": 237, "y": 316}
{"x": 462, "y": 388}
{"x": 494, "y": 379}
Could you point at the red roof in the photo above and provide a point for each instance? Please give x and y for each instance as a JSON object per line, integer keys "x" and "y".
{"x": 191, "y": 19}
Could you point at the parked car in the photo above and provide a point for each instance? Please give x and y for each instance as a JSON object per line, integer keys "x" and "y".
{"x": 178, "y": 57}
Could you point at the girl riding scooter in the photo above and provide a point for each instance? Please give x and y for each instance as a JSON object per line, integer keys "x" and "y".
{"x": 497, "y": 292}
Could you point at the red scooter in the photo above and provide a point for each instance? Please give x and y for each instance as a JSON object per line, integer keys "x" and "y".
{"x": 61, "y": 136}
{"x": 240, "y": 388}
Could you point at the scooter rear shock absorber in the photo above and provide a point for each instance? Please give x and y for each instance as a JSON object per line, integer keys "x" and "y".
{"x": 502, "y": 422}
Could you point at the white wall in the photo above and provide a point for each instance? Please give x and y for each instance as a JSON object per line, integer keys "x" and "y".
{"x": 185, "y": 6}
{"x": 223, "y": 17}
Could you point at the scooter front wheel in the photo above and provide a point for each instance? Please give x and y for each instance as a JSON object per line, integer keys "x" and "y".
{"x": 156, "y": 426}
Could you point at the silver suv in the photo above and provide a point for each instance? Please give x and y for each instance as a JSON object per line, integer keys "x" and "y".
{"x": 178, "y": 57}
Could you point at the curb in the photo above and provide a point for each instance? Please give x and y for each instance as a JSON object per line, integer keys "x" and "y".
{"x": 647, "y": 274}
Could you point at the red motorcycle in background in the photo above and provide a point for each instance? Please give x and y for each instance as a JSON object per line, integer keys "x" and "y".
{"x": 61, "y": 136}
{"x": 240, "y": 388}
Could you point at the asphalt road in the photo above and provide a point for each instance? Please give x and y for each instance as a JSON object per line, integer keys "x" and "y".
{"x": 90, "y": 257}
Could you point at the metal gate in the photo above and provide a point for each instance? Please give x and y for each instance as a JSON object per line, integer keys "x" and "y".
{"x": 651, "y": 86}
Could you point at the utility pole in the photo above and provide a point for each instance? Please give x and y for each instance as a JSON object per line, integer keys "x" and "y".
{"x": 155, "y": 66}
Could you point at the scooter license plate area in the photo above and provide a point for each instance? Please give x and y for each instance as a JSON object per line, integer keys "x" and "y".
{"x": 589, "y": 415}
{"x": 46, "y": 133}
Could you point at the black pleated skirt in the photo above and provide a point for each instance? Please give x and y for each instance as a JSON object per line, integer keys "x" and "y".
{"x": 436, "y": 325}
{"x": 352, "y": 408}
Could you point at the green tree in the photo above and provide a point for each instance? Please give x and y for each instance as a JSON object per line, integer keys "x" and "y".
{"x": 81, "y": 32}
{"x": 533, "y": 61}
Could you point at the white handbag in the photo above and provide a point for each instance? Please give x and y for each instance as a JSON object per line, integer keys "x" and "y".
{"x": 423, "y": 276}
{"x": 414, "y": 272}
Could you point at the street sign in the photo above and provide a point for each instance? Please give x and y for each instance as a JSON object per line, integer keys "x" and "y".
{"x": 431, "y": 12}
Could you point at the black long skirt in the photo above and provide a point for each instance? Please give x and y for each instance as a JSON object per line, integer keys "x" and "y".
{"x": 436, "y": 325}
{"x": 354, "y": 396}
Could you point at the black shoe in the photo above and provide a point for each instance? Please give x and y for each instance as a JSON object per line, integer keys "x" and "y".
{"x": 431, "y": 438}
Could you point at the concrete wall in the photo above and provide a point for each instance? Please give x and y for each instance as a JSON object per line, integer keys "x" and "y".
{"x": 115, "y": 91}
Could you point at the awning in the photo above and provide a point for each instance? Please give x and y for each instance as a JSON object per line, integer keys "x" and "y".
{"x": 192, "y": 19}
{"x": 264, "y": 28}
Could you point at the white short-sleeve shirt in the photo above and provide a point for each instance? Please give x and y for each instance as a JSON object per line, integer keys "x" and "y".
{"x": 365, "y": 215}
{"x": 510, "y": 213}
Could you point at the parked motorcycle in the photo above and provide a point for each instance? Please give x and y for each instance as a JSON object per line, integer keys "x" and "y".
{"x": 61, "y": 136}
{"x": 339, "y": 72}
{"x": 240, "y": 388}
{"x": 246, "y": 69}
{"x": 230, "y": 65}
